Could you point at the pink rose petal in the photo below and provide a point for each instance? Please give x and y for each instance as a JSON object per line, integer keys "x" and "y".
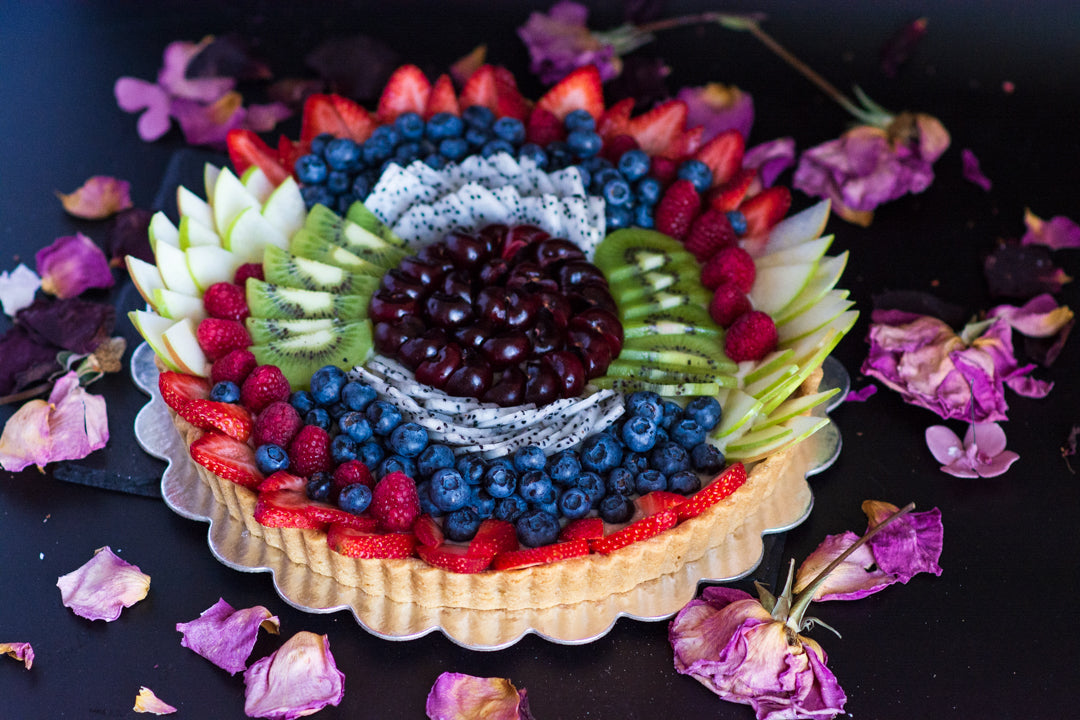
{"x": 770, "y": 159}
{"x": 1039, "y": 317}
{"x": 1057, "y": 233}
{"x": 972, "y": 172}
{"x": 102, "y": 587}
{"x": 861, "y": 395}
{"x": 72, "y": 265}
{"x": 560, "y": 42}
{"x": 225, "y": 636}
{"x": 99, "y": 197}
{"x": 300, "y": 678}
{"x": 717, "y": 108}
{"x": 856, "y": 577}
{"x": 173, "y": 76}
{"x": 147, "y": 702}
{"x": 17, "y": 289}
{"x": 19, "y": 651}
{"x": 456, "y": 696}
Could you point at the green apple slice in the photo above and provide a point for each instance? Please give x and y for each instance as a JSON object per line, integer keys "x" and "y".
{"x": 152, "y": 327}
{"x": 739, "y": 409}
{"x": 793, "y": 407}
{"x": 210, "y": 173}
{"x": 810, "y": 251}
{"x": 825, "y": 278}
{"x": 193, "y": 233}
{"x": 230, "y": 198}
{"x": 250, "y": 233}
{"x": 183, "y": 347}
{"x": 764, "y": 388}
{"x": 759, "y": 443}
{"x": 257, "y": 183}
{"x": 775, "y": 287}
{"x": 832, "y": 304}
{"x": 799, "y": 228}
{"x": 178, "y": 306}
{"x": 146, "y": 277}
{"x": 808, "y": 346}
{"x": 172, "y": 264}
{"x": 285, "y": 207}
{"x": 162, "y": 230}
{"x": 208, "y": 265}
{"x": 751, "y": 371}
{"x": 190, "y": 204}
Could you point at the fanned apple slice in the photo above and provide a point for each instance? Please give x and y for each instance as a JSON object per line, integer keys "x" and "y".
{"x": 162, "y": 231}
{"x": 193, "y": 206}
{"x": 758, "y": 444}
{"x": 146, "y": 277}
{"x": 172, "y": 264}
{"x": 193, "y": 233}
{"x": 152, "y": 327}
{"x": 824, "y": 311}
{"x": 828, "y": 273}
{"x": 250, "y": 233}
{"x": 750, "y": 371}
{"x": 230, "y": 198}
{"x": 775, "y": 287}
{"x": 183, "y": 348}
{"x": 257, "y": 183}
{"x": 810, "y": 251}
{"x": 285, "y": 207}
{"x": 793, "y": 407}
{"x": 208, "y": 265}
{"x": 803, "y": 226}
{"x": 739, "y": 409}
{"x": 210, "y": 174}
{"x": 177, "y": 306}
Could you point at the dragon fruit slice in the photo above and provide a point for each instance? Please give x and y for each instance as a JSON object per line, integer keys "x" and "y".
{"x": 484, "y": 207}
{"x": 567, "y": 182}
{"x": 397, "y": 190}
{"x": 423, "y": 224}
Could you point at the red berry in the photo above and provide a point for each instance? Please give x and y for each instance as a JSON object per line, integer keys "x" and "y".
{"x": 234, "y": 367}
{"x": 228, "y": 458}
{"x": 616, "y": 146}
{"x": 664, "y": 169}
{"x": 278, "y": 423}
{"x": 765, "y": 209}
{"x": 351, "y": 472}
{"x": 395, "y": 502}
{"x": 730, "y": 264}
{"x": 177, "y": 389}
{"x": 727, "y": 304}
{"x": 543, "y": 128}
{"x": 710, "y": 233}
{"x": 226, "y": 301}
{"x": 678, "y": 209}
{"x": 263, "y": 386}
{"x": 218, "y": 337}
{"x": 309, "y": 451}
{"x": 233, "y": 420}
{"x": 247, "y": 270}
{"x": 751, "y": 337}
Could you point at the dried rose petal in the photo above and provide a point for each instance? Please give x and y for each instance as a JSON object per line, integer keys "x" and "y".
{"x": 73, "y": 324}
{"x": 456, "y": 696}
{"x": 1056, "y": 233}
{"x": 225, "y": 636}
{"x": 102, "y": 587}
{"x": 972, "y": 172}
{"x": 560, "y": 42}
{"x": 147, "y": 702}
{"x": 19, "y": 651}
{"x": 71, "y": 265}
{"x": 97, "y": 198}
{"x": 717, "y": 108}
{"x": 174, "y": 79}
{"x": 127, "y": 235}
{"x": 463, "y": 68}
{"x": 770, "y": 159}
{"x": 17, "y": 288}
{"x": 27, "y": 363}
{"x": 856, "y": 577}
{"x": 133, "y": 95}
{"x": 1022, "y": 271}
{"x": 910, "y": 545}
{"x": 228, "y": 56}
{"x": 298, "y": 679}
{"x": 1039, "y": 317}
{"x": 861, "y": 395}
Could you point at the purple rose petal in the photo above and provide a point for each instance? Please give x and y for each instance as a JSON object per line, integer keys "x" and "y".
{"x": 456, "y": 696}
{"x": 717, "y": 108}
{"x": 1022, "y": 271}
{"x": 861, "y": 395}
{"x": 908, "y": 546}
{"x": 225, "y": 636}
{"x": 771, "y": 158}
{"x": 560, "y": 42}
{"x": 71, "y": 265}
{"x": 972, "y": 171}
{"x": 173, "y": 77}
{"x": 133, "y": 95}
{"x": 20, "y": 651}
{"x": 1056, "y": 233}
{"x": 856, "y": 577}
{"x": 102, "y": 587}
{"x": 298, "y": 679}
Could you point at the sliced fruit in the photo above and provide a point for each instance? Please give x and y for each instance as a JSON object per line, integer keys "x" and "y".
{"x": 678, "y": 352}
{"x": 723, "y": 154}
{"x": 354, "y": 543}
{"x": 406, "y": 90}
{"x": 586, "y": 528}
{"x": 209, "y": 264}
{"x": 442, "y": 98}
{"x": 739, "y": 409}
{"x": 657, "y": 500}
{"x": 824, "y": 279}
{"x": 146, "y": 277}
{"x": 428, "y": 531}
{"x": 493, "y": 537}
{"x": 246, "y": 149}
{"x": 177, "y": 306}
{"x": 658, "y": 131}
{"x": 727, "y": 482}
{"x": 230, "y": 198}
{"x": 162, "y": 230}
{"x": 281, "y": 268}
{"x": 228, "y": 418}
{"x": 777, "y": 286}
{"x": 307, "y": 244}
{"x": 528, "y": 557}
{"x": 764, "y": 210}
{"x": 228, "y": 458}
{"x": 580, "y": 90}
{"x": 799, "y": 228}
{"x": 285, "y": 207}
{"x": 385, "y": 252}
{"x": 172, "y": 264}
{"x": 250, "y": 233}
{"x": 191, "y": 205}
{"x": 284, "y": 508}
{"x": 192, "y": 232}
{"x": 643, "y": 529}
{"x": 210, "y": 176}
{"x": 177, "y": 389}
{"x": 793, "y": 407}
{"x": 301, "y": 355}
{"x": 264, "y": 330}
{"x": 359, "y": 214}
{"x": 274, "y": 301}
{"x": 768, "y": 441}
{"x": 152, "y": 327}
{"x": 183, "y": 349}
{"x": 810, "y": 251}
{"x": 257, "y": 183}
{"x": 825, "y": 310}
{"x": 684, "y": 388}
{"x": 454, "y": 558}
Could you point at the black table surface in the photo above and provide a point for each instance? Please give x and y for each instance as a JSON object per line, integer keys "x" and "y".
{"x": 988, "y": 638}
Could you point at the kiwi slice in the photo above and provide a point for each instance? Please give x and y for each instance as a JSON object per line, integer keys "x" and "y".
{"x": 360, "y": 215}
{"x": 679, "y": 320}
{"x": 660, "y": 376}
{"x": 277, "y": 301}
{"x": 281, "y": 268}
{"x": 665, "y": 300}
{"x": 678, "y": 352}
{"x": 264, "y": 330}
{"x": 638, "y": 288}
{"x": 684, "y": 389}
{"x": 307, "y": 244}
{"x": 632, "y": 251}
{"x": 299, "y": 356}
{"x": 330, "y": 226}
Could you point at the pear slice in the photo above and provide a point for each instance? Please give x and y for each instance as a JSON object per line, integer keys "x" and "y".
{"x": 172, "y": 264}
{"x": 759, "y": 443}
{"x": 799, "y": 228}
{"x": 183, "y": 347}
{"x": 210, "y": 174}
{"x": 249, "y": 233}
{"x": 739, "y": 409}
{"x": 193, "y": 233}
{"x": 285, "y": 207}
{"x": 832, "y": 304}
{"x": 810, "y": 251}
{"x": 162, "y": 230}
{"x": 751, "y": 371}
{"x": 257, "y": 183}
{"x": 795, "y": 406}
{"x": 810, "y": 353}
{"x": 765, "y": 386}
{"x": 208, "y": 264}
{"x": 775, "y": 287}
{"x": 825, "y": 278}
{"x": 230, "y": 198}
{"x": 146, "y": 277}
{"x": 178, "y": 306}
{"x": 190, "y": 204}
{"x": 152, "y": 327}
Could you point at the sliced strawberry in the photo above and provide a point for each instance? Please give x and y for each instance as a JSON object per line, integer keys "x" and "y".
{"x": 428, "y": 531}
{"x": 231, "y": 419}
{"x": 332, "y": 514}
{"x": 228, "y": 458}
{"x": 289, "y": 151}
{"x": 442, "y": 98}
{"x": 765, "y": 209}
{"x": 730, "y": 195}
{"x": 615, "y": 120}
{"x": 541, "y": 555}
{"x": 357, "y": 121}
{"x": 247, "y": 149}
{"x": 285, "y": 509}
{"x": 493, "y": 537}
{"x": 179, "y": 388}
{"x": 643, "y": 529}
{"x": 511, "y": 102}
{"x": 724, "y": 155}
{"x": 727, "y": 482}
{"x": 283, "y": 480}
{"x": 407, "y": 90}
{"x": 588, "y": 528}
{"x": 615, "y": 146}
{"x": 685, "y": 145}
{"x": 657, "y": 500}
{"x": 354, "y": 543}
{"x": 481, "y": 89}
{"x": 320, "y": 116}
{"x": 454, "y": 558}
{"x": 659, "y": 129}
{"x": 580, "y": 90}
{"x": 543, "y": 128}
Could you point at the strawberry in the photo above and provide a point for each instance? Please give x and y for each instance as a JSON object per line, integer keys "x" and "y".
{"x": 226, "y": 301}
{"x": 725, "y": 483}
{"x": 493, "y": 537}
{"x": 724, "y": 155}
{"x": 765, "y": 209}
{"x": 542, "y": 555}
{"x": 407, "y": 90}
{"x": 730, "y": 195}
{"x": 228, "y": 458}
{"x": 262, "y": 386}
{"x": 481, "y": 89}
{"x": 428, "y": 531}
{"x": 289, "y": 151}
{"x": 657, "y": 500}
{"x": 357, "y": 121}
{"x": 658, "y": 131}
{"x": 354, "y": 543}
{"x": 728, "y": 303}
{"x": 320, "y": 117}
{"x": 233, "y": 420}
{"x": 709, "y": 233}
{"x": 751, "y": 337}
{"x": 309, "y": 451}
{"x": 543, "y": 128}
{"x": 351, "y": 472}
{"x": 677, "y": 209}
{"x": 283, "y": 480}
{"x": 395, "y": 502}
{"x": 587, "y": 528}
{"x": 685, "y": 144}
{"x": 285, "y": 508}
{"x": 234, "y": 367}
{"x": 247, "y": 149}
{"x": 179, "y": 388}
{"x": 643, "y": 529}
{"x": 247, "y": 270}
{"x": 615, "y": 120}
{"x": 617, "y": 145}
{"x": 278, "y": 423}
{"x": 730, "y": 264}
{"x": 511, "y": 102}
{"x": 580, "y": 90}
{"x": 327, "y": 514}
{"x": 442, "y": 98}
{"x": 218, "y": 337}
{"x": 454, "y": 558}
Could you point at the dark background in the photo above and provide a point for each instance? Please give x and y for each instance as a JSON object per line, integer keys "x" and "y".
{"x": 992, "y": 637}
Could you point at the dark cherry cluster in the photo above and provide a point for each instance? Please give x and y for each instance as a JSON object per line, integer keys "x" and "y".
{"x": 508, "y": 315}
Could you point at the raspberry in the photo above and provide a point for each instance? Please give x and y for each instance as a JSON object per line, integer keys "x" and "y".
{"x": 247, "y": 270}
{"x": 751, "y": 337}
{"x": 278, "y": 423}
{"x": 616, "y": 146}
{"x": 664, "y": 169}
{"x": 218, "y": 337}
{"x": 544, "y": 128}
{"x": 728, "y": 303}
{"x": 678, "y": 209}
{"x": 263, "y": 386}
{"x": 309, "y": 452}
{"x": 395, "y": 502}
{"x": 710, "y": 233}
{"x": 730, "y": 264}
{"x": 351, "y": 472}
{"x": 226, "y": 301}
{"x": 233, "y": 367}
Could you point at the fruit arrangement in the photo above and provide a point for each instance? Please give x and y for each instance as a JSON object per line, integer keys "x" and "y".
{"x": 486, "y": 332}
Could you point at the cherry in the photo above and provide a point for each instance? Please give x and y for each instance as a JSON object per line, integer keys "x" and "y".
{"x": 552, "y": 250}
{"x": 458, "y": 283}
{"x": 545, "y": 335}
{"x": 567, "y": 367}
{"x": 467, "y": 251}
{"x": 471, "y": 336}
{"x": 592, "y": 296}
{"x": 422, "y": 347}
{"x": 472, "y": 379}
{"x": 521, "y": 308}
{"x": 541, "y": 384}
{"x": 492, "y": 305}
{"x": 495, "y": 237}
{"x": 592, "y": 348}
{"x": 437, "y": 370}
{"x": 389, "y": 306}
{"x": 577, "y": 274}
{"x": 521, "y": 236}
{"x": 426, "y": 273}
{"x": 493, "y": 272}
{"x": 606, "y": 323}
{"x": 389, "y": 336}
{"x": 506, "y": 349}
{"x": 448, "y": 311}
{"x": 556, "y": 306}
{"x": 398, "y": 281}
{"x": 508, "y": 390}
{"x": 523, "y": 273}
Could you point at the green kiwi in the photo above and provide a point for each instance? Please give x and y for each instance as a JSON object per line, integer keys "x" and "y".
{"x": 299, "y": 356}
{"x": 678, "y": 352}
{"x": 330, "y": 226}
{"x": 275, "y": 301}
{"x": 307, "y": 244}
{"x": 664, "y": 300}
{"x": 263, "y": 330}
{"x": 685, "y": 389}
{"x": 359, "y": 214}
{"x": 632, "y": 251}
{"x": 635, "y": 289}
{"x": 680, "y": 320}
{"x": 660, "y": 376}
{"x": 281, "y": 268}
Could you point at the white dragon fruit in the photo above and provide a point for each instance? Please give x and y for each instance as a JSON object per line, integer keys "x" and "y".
{"x": 397, "y": 190}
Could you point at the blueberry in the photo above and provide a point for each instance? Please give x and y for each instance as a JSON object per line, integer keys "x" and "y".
{"x": 319, "y": 143}
{"x": 375, "y": 150}
{"x": 383, "y": 416}
{"x": 408, "y": 439}
{"x": 639, "y": 433}
{"x": 618, "y": 217}
{"x": 707, "y": 459}
{"x": 559, "y": 155}
{"x": 500, "y": 481}
{"x": 685, "y": 482}
{"x": 478, "y": 116}
{"x": 687, "y": 432}
{"x": 669, "y": 458}
{"x": 620, "y": 481}
{"x": 738, "y": 222}
{"x": 529, "y": 457}
{"x": 316, "y": 195}
{"x": 592, "y": 485}
{"x": 509, "y": 129}
{"x": 435, "y": 161}
{"x": 396, "y": 463}
{"x": 449, "y": 491}
{"x": 342, "y": 449}
{"x": 387, "y": 133}
{"x": 537, "y": 527}
{"x": 354, "y": 498}
{"x": 225, "y": 391}
{"x": 634, "y": 164}
{"x": 564, "y": 468}
{"x": 461, "y": 525}
{"x": 601, "y": 177}
{"x": 672, "y": 413}
{"x": 320, "y": 417}
{"x": 337, "y": 410}
{"x": 406, "y": 153}
{"x": 357, "y": 395}
{"x": 616, "y": 509}
{"x": 432, "y": 458}
{"x": 444, "y": 125}
{"x": 705, "y": 410}
{"x": 326, "y": 384}
{"x": 361, "y": 186}
{"x": 355, "y": 425}
{"x": 311, "y": 169}
{"x": 482, "y": 503}
{"x": 302, "y": 401}
{"x": 343, "y": 154}
{"x": 650, "y": 480}
{"x": 645, "y": 403}
{"x": 370, "y": 453}
{"x": 574, "y": 504}
{"x": 584, "y": 143}
{"x": 454, "y": 149}
{"x": 533, "y": 152}
{"x": 471, "y": 467}
{"x": 696, "y": 172}
{"x": 477, "y": 137}
{"x": 616, "y": 193}
{"x": 535, "y": 486}
{"x": 270, "y": 458}
{"x": 661, "y": 437}
{"x": 510, "y": 508}
{"x": 427, "y": 505}
{"x": 600, "y": 453}
{"x": 579, "y": 120}
{"x": 648, "y": 191}
{"x": 496, "y": 146}
{"x": 643, "y": 216}
{"x": 319, "y": 486}
{"x": 635, "y": 462}
{"x": 410, "y": 125}
{"x": 595, "y": 164}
